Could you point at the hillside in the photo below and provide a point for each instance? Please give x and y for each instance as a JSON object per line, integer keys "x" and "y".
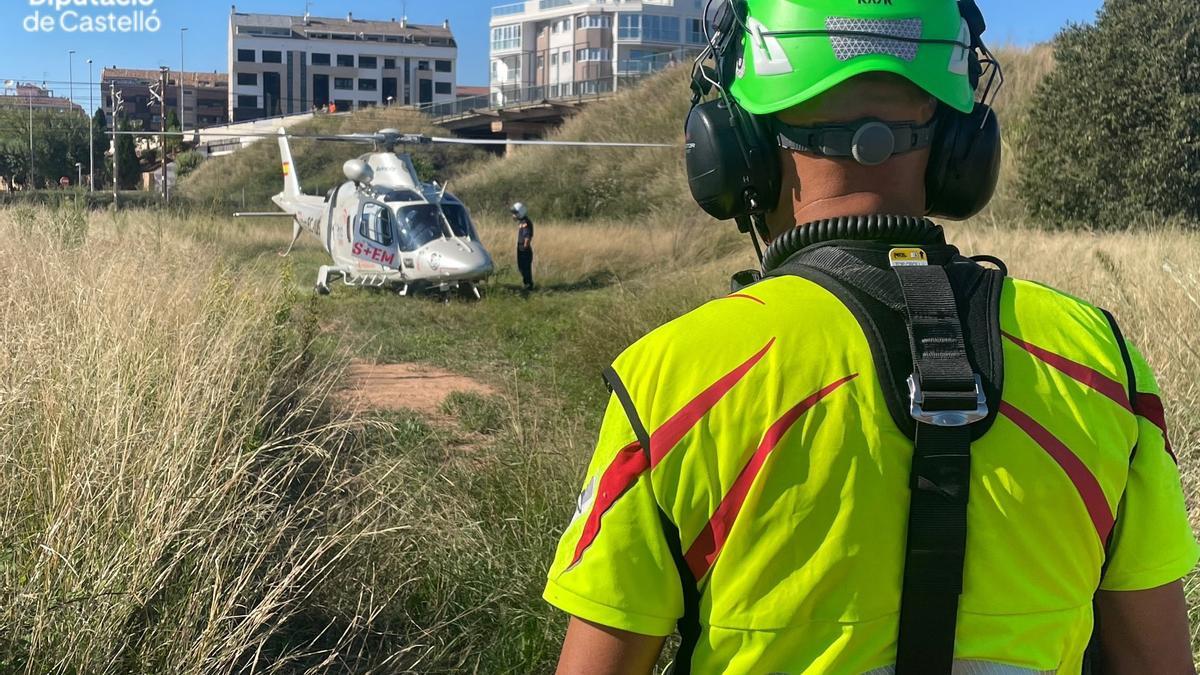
{"x": 219, "y": 182}
{"x": 568, "y": 183}
{"x": 590, "y": 183}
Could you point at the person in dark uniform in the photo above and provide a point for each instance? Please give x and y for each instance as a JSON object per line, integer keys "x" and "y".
{"x": 524, "y": 243}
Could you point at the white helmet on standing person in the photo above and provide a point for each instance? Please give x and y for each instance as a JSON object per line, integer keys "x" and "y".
{"x": 519, "y": 210}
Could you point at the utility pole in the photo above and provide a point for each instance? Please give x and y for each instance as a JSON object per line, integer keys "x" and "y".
{"x": 71, "y": 74}
{"x": 32, "y": 174}
{"x": 182, "y": 118}
{"x": 117, "y": 105}
{"x": 162, "y": 142}
{"x": 91, "y": 131}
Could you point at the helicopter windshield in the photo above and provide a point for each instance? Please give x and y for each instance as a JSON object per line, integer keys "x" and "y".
{"x": 460, "y": 222}
{"x": 421, "y": 223}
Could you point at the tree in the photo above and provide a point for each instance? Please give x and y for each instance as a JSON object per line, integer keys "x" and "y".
{"x": 174, "y": 143}
{"x": 1115, "y": 128}
{"x": 130, "y": 168}
{"x": 100, "y": 142}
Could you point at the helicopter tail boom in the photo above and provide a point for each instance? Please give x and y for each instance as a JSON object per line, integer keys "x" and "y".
{"x": 291, "y": 182}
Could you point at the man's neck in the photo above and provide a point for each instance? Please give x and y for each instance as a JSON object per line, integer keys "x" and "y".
{"x": 855, "y": 204}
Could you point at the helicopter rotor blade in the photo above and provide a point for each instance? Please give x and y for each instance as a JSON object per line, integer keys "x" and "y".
{"x": 395, "y": 138}
{"x": 573, "y": 144}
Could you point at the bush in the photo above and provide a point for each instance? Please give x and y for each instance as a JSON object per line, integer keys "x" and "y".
{"x": 1115, "y": 129}
{"x": 187, "y": 162}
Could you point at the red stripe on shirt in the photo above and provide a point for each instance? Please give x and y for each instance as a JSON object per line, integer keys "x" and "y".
{"x": 1085, "y": 375}
{"x": 1151, "y": 407}
{"x": 707, "y": 546}
{"x": 629, "y": 464}
{"x": 1085, "y": 482}
{"x": 743, "y": 296}
{"x": 666, "y": 437}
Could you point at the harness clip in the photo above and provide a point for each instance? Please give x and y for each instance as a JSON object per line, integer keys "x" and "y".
{"x": 945, "y": 418}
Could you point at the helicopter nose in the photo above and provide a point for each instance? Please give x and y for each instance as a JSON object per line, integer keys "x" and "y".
{"x": 453, "y": 260}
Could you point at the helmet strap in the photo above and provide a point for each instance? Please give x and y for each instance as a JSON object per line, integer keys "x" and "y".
{"x": 869, "y": 142}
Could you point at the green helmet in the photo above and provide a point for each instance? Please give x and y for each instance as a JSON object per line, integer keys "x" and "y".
{"x": 780, "y": 69}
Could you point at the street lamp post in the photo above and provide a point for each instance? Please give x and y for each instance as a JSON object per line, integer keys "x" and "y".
{"x": 78, "y": 174}
{"x": 91, "y": 131}
{"x": 71, "y": 74}
{"x": 182, "y": 118}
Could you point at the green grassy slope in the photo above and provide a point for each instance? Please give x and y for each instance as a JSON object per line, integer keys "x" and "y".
{"x": 590, "y": 183}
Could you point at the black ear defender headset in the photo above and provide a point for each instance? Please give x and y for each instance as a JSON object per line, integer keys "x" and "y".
{"x": 732, "y": 156}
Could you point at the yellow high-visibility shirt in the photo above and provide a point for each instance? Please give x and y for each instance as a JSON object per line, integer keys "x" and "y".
{"x": 776, "y": 471}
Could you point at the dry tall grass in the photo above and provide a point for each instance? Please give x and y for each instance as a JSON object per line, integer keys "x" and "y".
{"x": 173, "y": 487}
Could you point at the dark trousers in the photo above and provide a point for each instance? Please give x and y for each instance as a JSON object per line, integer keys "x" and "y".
{"x": 525, "y": 264}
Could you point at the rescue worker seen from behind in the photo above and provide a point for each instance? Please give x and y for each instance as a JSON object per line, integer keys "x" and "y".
{"x": 767, "y": 483}
{"x": 524, "y": 244}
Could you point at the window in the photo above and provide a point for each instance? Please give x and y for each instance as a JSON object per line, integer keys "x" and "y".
{"x": 442, "y": 88}
{"x": 272, "y": 57}
{"x": 389, "y": 64}
{"x": 443, "y": 66}
{"x": 593, "y": 21}
{"x": 375, "y": 223}
{"x": 541, "y": 61}
{"x": 245, "y": 56}
{"x": 629, "y": 27}
{"x": 320, "y": 59}
{"x": 368, "y": 85}
{"x": 419, "y": 225}
{"x": 591, "y": 55}
{"x": 343, "y": 83}
{"x": 660, "y": 28}
{"x": 696, "y": 31}
{"x": 422, "y": 65}
{"x": 344, "y": 105}
{"x": 248, "y": 79}
{"x": 247, "y": 101}
{"x": 566, "y": 56}
{"x": 368, "y": 62}
{"x": 345, "y": 60}
{"x": 554, "y": 59}
{"x": 506, "y": 37}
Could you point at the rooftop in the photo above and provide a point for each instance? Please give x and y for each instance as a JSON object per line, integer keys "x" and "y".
{"x": 286, "y": 26}
{"x": 193, "y": 79}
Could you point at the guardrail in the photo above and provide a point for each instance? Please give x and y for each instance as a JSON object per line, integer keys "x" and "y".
{"x": 506, "y": 10}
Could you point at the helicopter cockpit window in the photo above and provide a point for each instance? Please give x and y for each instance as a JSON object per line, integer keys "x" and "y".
{"x": 460, "y": 222}
{"x": 375, "y": 223}
{"x": 418, "y": 225}
{"x": 399, "y": 196}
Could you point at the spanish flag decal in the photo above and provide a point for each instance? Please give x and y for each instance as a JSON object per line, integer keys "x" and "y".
{"x": 287, "y": 169}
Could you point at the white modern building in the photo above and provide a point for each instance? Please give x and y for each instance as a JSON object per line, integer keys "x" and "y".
{"x": 567, "y": 47}
{"x": 280, "y": 65}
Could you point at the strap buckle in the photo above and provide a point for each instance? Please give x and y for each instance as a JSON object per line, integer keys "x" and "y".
{"x": 945, "y": 418}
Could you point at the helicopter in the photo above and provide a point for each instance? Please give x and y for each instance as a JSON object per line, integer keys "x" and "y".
{"x": 386, "y": 228}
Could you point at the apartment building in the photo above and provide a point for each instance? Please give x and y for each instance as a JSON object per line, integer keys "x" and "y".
{"x": 566, "y": 47}
{"x": 26, "y": 95}
{"x": 205, "y": 96}
{"x": 280, "y": 64}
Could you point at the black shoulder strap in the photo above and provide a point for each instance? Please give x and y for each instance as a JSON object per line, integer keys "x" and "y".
{"x": 689, "y": 623}
{"x": 946, "y": 398}
{"x": 1093, "y": 658}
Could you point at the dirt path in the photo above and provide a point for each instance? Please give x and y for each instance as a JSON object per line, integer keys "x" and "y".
{"x": 407, "y": 386}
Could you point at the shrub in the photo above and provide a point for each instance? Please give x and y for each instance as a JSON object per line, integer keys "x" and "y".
{"x": 187, "y": 162}
{"x": 1115, "y": 129}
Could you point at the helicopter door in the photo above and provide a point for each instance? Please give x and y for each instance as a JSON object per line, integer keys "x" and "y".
{"x": 375, "y": 236}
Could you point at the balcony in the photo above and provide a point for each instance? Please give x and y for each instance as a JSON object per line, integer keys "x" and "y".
{"x": 507, "y": 10}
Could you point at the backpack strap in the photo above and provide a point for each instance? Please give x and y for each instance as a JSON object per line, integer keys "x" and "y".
{"x": 944, "y": 408}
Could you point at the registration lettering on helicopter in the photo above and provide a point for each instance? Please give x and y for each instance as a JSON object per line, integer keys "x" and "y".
{"x": 368, "y": 252}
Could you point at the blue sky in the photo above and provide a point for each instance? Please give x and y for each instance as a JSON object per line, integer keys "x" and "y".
{"x": 44, "y": 56}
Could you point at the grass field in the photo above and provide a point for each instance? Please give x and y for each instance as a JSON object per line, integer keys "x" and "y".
{"x": 186, "y": 488}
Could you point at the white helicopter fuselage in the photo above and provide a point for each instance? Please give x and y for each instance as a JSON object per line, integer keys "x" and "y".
{"x": 386, "y": 228}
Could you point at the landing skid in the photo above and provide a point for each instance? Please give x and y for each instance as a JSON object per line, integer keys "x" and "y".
{"x": 327, "y": 274}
